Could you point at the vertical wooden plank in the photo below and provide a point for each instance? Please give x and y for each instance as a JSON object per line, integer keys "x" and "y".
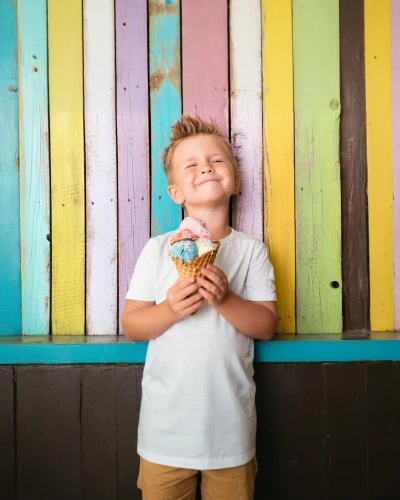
{"x": 133, "y": 137}
{"x": 165, "y": 105}
{"x": 380, "y": 163}
{"x": 395, "y": 25}
{"x": 278, "y": 134}
{"x": 67, "y": 166}
{"x": 10, "y": 253}
{"x": 346, "y": 431}
{"x": 205, "y": 60}
{"x": 317, "y": 181}
{"x": 383, "y": 409}
{"x": 290, "y": 431}
{"x": 7, "y": 455}
{"x": 48, "y": 432}
{"x": 34, "y": 166}
{"x": 246, "y": 112}
{"x": 353, "y": 158}
{"x": 101, "y": 168}
{"x": 128, "y": 394}
{"x": 99, "y": 433}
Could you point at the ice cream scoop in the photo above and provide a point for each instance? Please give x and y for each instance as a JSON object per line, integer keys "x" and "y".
{"x": 205, "y": 245}
{"x": 183, "y": 234}
{"x": 184, "y": 249}
{"x": 196, "y": 226}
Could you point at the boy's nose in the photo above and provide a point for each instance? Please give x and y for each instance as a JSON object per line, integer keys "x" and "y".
{"x": 207, "y": 169}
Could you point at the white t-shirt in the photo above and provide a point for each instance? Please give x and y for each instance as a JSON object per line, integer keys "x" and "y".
{"x": 198, "y": 404}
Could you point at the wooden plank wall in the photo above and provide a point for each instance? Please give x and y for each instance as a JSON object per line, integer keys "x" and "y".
{"x": 307, "y": 93}
{"x": 325, "y": 430}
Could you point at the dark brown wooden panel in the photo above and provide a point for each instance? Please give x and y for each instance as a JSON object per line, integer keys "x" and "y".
{"x": 128, "y": 398}
{"x": 346, "y": 428}
{"x": 99, "y": 433}
{"x": 353, "y": 159}
{"x": 383, "y": 413}
{"x": 291, "y": 431}
{"x": 7, "y": 452}
{"x": 48, "y": 433}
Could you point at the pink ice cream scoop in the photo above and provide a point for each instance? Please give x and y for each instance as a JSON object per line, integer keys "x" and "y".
{"x": 196, "y": 226}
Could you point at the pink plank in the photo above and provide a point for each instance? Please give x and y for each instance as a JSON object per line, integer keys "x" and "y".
{"x": 132, "y": 136}
{"x": 396, "y": 151}
{"x": 205, "y": 59}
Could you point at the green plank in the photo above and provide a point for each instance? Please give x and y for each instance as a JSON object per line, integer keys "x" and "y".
{"x": 317, "y": 172}
{"x": 34, "y": 166}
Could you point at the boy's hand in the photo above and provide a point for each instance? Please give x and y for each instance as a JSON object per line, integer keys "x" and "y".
{"x": 216, "y": 290}
{"x": 179, "y": 301}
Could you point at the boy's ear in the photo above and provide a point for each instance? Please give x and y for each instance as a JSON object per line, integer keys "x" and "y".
{"x": 175, "y": 194}
{"x": 237, "y": 183}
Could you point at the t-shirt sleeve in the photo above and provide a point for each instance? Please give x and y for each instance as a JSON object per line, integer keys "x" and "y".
{"x": 142, "y": 285}
{"x": 260, "y": 280}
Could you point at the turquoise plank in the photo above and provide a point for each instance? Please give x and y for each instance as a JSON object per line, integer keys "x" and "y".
{"x": 165, "y": 105}
{"x": 10, "y": 254}
{"x": 34, "y": 166}
{"x": 282, "y": 349}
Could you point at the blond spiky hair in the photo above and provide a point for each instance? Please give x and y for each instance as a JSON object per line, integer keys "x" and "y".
{"x": 189, "y": 126}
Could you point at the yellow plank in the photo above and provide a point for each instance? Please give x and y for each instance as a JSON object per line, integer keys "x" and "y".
{"x": 380, "y": 162}
{"x": 279, "y": 223}
{"x": 67, "y": 166}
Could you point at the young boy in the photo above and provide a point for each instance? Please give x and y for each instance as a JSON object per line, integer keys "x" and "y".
{"x": 198, "y": 405}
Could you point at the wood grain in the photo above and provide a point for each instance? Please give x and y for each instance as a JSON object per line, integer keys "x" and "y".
{"x": 99, "y": 461}
{"x": 278, "y": 136}
{"x": 67, "y": 167}
{"x": 346, "y": 430}
{"x": 165, "y": 105}
{"x": 317, "y": 173}
{"x": 47, "y": 402}
{"x": 353, "y": 159}
{"x": 133, "y": 137}
{"x": 10, "y": 252}
{"x": 246, "y": 113}
{"x": 7, "y": 434}
{"x": 380, "y": 163}
{"x": 395, "y": 30}
{"x": 205, "y": 60}
{"x": 101, "y": 168}
{"x": 34, "y": 166}
{"x": 128, "y": 395}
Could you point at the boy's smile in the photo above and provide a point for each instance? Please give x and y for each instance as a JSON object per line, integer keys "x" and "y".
{"x": 202, "y": 173}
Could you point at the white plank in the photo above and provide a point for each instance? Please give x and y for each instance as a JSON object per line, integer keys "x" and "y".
{"x": 246, "y": 112}
{"x": 101, "y": 171}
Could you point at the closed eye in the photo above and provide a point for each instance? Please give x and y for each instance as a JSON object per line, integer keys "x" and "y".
{"x": 191, "y": 165}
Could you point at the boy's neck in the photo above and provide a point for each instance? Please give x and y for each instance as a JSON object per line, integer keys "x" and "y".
{"x": 216, "y": 220}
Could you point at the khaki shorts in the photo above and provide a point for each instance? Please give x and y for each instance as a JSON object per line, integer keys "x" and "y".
{"x": 160, "y": 482}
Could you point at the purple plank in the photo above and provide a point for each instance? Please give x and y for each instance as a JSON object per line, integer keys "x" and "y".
{"x": 132, "y": 136}
{"x": 396, "y": 152}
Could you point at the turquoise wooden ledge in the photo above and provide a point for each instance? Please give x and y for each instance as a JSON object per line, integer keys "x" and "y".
{"x": 284, "y": 348}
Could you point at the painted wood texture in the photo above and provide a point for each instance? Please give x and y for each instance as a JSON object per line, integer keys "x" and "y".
{"x": 317, "y": 174}
{"x": 34, "y": 166}
{"x": 67, "y": 166}
{"x": 395, "y": 31}
{"x": 205, "y": 60}
{"x": 133, "y": 137}
{"x": 353, "y": 160}
{"x": 165, "y": 105}
{"x": 380, "y": 163}
{"x": 10, "y": 275}
{"x": 101, "y": 168}
{"x": 278, "y": 137}
{"x": 246, "y": 113}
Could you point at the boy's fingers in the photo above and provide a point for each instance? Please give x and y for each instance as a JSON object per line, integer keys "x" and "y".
{"x": 215, "y": 270}
{"x": 190, "y": 302}
{"x": 185, "y": 292}
{"x": 181, "y": 284}
{"x": 207, "y": 285}
{"x": 214, "y": 277}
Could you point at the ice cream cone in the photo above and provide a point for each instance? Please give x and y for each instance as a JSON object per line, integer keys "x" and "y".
{"x": 192, "y": 269}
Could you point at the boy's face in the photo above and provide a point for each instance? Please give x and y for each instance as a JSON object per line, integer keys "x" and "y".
{"x": 202, "y": 174}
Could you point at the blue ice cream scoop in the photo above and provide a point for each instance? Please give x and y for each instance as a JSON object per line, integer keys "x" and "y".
{"x": 184, "y": 249}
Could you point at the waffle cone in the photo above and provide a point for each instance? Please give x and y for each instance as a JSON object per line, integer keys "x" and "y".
{"x": 192, "y": 269}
